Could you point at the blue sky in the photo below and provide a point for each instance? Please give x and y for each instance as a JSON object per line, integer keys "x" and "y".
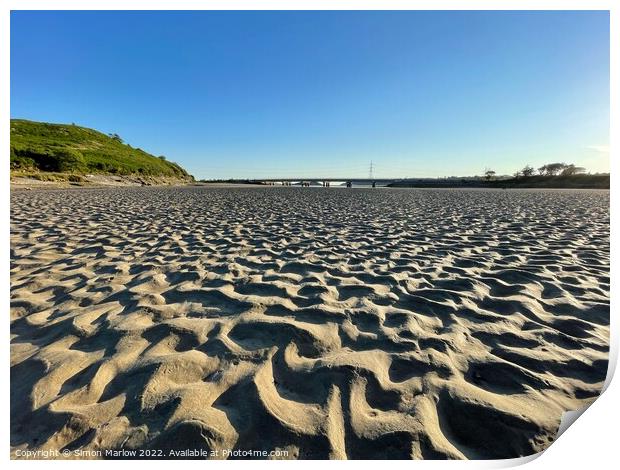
{"x": 250, "y": 94}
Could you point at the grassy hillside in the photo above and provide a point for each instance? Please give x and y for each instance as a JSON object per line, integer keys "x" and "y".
{"x": 67, "y": 148}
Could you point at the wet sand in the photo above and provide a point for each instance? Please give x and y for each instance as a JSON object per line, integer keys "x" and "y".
{"x": 325, "y": 323}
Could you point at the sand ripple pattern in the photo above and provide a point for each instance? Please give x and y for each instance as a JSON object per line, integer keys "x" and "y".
{"x": 329, "y": 323}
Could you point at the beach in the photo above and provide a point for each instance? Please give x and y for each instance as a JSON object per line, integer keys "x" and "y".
{"x": 304, "y": 323}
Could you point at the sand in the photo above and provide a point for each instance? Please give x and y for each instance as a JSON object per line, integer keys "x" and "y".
{"x": 305, "y": 322}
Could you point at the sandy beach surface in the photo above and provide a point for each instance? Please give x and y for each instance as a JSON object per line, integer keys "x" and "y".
{"x": 304, "y": 322}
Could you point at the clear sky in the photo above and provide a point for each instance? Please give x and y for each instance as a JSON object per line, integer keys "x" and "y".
{"x": 250, "y": 94}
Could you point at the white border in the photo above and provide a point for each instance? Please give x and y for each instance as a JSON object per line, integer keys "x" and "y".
{"x": 591, "y": 443}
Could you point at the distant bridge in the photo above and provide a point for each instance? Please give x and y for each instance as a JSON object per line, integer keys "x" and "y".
{"x": 318, "y": 181}
{"x": 329, "y": 180}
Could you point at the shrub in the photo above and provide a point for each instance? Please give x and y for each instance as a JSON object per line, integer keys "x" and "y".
{"x": 19, "y": 162}
{"x": 69, "y": 160}
{"x": 39, "y": 157}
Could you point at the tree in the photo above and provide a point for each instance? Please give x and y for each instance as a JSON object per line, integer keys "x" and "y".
{"x": 542, "y": 170}
{"x": 116, "y": 137}
{"x": 489, "y": 174}
{"x": 571, "y": 170}
{"x": 554, "y": 169}
{"x": 527, "y": 171}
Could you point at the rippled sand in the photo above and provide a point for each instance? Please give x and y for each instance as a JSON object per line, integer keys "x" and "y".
{"x": 329, "y": 323}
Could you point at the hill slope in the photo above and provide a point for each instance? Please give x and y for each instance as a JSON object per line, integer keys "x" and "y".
{"x": 68, "y": 148}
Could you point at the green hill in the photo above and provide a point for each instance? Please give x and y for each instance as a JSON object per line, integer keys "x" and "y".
{"x": 67, "y": 148}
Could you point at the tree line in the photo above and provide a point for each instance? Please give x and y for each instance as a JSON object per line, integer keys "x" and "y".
{"x": 550, "y": 169}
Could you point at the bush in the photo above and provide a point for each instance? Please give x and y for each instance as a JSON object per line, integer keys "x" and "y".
{"x": 45, "y": 159}
{"x": 69, "y": 160}
{"x": 100, "y": 166}
{"x": 39, "y": 158}
{"x": 21, "y": 162}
